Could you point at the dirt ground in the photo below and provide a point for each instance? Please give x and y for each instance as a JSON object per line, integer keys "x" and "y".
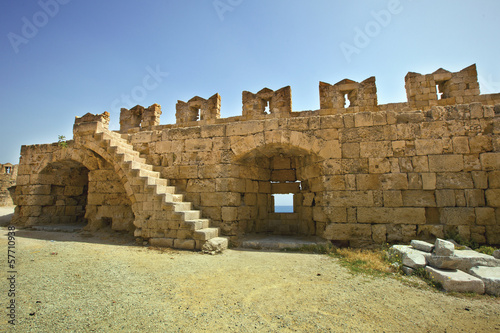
{"x": 104, "y": 282}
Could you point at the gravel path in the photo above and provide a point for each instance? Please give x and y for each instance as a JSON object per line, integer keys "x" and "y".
{"x": 76, "y": 282}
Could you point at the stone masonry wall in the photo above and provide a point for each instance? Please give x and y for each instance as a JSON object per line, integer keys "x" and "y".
{"x": 359, "y": 173}
{"x": 8, "y": 174}
{"x": 364, "y": 177}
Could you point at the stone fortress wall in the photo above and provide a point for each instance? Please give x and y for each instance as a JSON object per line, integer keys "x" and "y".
{"x": 359, "y": 172}
{"x": 8, "y": 174}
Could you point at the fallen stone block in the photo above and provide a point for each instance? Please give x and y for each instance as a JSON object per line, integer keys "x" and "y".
{"x": 400, "y": 250}
{"x": 443, "y": 248}
{"x": 215, "y": 245}
{"x": 422, "y": 246}
{"x": 463, "y": 260}
{"x": 455, "y": 280}
{"x": 443, "y": 262}
{"x": 496, "y": 254}
{"x": 490, "y": 277}
{"x": 470, "y": 258}
{"x": 414, "y": 259}
{"x": 407, "y": 270}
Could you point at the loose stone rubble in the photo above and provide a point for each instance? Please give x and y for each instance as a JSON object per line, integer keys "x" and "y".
{"x": 359, "y": 172}
{"x": 456, "y": 270}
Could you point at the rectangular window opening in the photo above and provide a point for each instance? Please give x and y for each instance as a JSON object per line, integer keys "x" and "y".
{"x": 347, "y": 102}
{"x": 439, "y": 93}
{"x": 283, "y": 203}
{"x": 267, "y": 109}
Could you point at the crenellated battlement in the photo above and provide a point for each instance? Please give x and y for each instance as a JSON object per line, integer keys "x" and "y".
{"x": 424, "y": 92}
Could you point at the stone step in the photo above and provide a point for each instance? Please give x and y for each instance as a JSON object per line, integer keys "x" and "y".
{"x": 145, "y": 174}
{"x": 120, "y": 150}
{"x": 182, "y": 206}
{"x": 125, "y": 157}
{"x": 178, "y": 198}
{"x": 190, "y": 215}
{"x": 206, "y": 233}
{"x": 153, "y": 174}
{"x": 137, "y": 165}
{"x": 152, "y": 181}
{"x": 111, "y": 138}
{"x": 455, "y": 280}
{"x": 119, "y": 143}
{"x": 198, "y": 224}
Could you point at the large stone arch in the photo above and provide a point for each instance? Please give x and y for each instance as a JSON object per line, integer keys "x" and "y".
{"x": 73, "y": 184}
{"x": 78, "y": 154}
{"x": 102, "y": 152}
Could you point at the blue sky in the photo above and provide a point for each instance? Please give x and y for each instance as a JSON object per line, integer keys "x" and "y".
{"x": 64, "y": 58}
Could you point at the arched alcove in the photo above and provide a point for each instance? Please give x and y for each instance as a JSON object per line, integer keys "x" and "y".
{"x": 274, "y": 170}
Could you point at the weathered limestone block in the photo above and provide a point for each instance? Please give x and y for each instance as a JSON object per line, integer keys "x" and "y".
{"x": 459, "y": 180}
{"x": 455, "y": 280}
{"x": 429, "y": 146}
{"x": 422, "y": 246}
{"x": 446, "y": 163}
{"x": 418, "y": 198}
{"x": 490, "y": 161}
{"x": 349, "y": 198}
{"x": 414, "y": 260}
{"x": 376, "y": 149}
{"x": 343, "y": 231}
{"x": 394, "y": 181}
{"x": 393, "y": 198}
{"x": 161, "y": 242}
{"x": 443, "y": 248}
{"x": 490, "y": 276}
{"x": 493, "y": 197}
{"x": 402, "y": 250}
{"x": 443, "y": 262}
{"x": 468, "y": 258}
{"x": 458, "y": 216}
{"x": 391, "y": 215}
{"x": 379, "y": 233}
{"x": 215, "y": 245}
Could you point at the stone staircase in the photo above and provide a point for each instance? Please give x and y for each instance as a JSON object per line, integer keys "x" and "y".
{"x": 161, "y": 215}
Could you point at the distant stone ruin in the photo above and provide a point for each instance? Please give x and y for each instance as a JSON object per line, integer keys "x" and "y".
{"x": 8, "y": 174}
{"x": 359, "y": 172}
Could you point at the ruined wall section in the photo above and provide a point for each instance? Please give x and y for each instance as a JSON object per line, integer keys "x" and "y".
{"x": 365, "y": 177}
{"x": 8, "y": 175}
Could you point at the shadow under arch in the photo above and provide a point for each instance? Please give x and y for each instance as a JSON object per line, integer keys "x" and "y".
{"x": 75, "y": 185}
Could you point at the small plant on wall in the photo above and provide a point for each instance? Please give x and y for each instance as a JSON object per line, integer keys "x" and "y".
{"x": 61, "y": 141}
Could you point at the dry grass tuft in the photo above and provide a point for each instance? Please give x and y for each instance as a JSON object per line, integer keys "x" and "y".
{"x": 364, "y": 261}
